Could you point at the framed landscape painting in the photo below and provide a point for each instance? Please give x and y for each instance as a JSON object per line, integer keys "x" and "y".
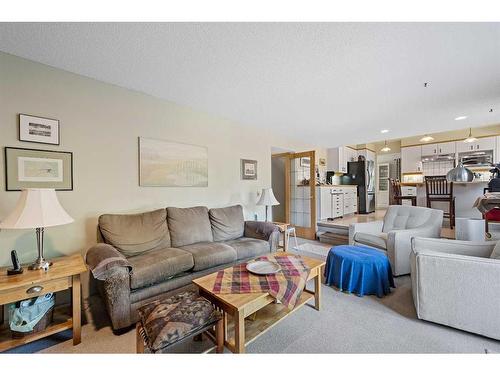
{"x": 28, "y": 168}
{"x": 172, "y": 164}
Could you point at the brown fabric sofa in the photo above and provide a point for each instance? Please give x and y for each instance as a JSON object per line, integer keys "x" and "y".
{"x": 144, "y": 255}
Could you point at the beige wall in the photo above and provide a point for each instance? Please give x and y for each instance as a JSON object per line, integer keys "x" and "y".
{"x": 100, "y": 124}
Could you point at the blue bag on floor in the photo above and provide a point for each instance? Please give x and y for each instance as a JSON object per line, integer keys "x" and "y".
{"x": 28, "y": 314}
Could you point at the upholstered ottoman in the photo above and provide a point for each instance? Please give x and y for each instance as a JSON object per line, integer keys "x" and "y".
{"x": 359, "y": 269}
{"x": 168, "y": 321}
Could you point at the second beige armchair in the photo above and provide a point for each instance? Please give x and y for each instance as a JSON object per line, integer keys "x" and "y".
{"x": 393, "y": 235}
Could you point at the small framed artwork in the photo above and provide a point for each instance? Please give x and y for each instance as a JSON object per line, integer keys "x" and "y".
{"x": 28, "y": 168}
{"x": 305, "y": 162}
{"x": 38, "y": 130}
{"x": 248, "y": 169}
{"x": 322, "y": 162}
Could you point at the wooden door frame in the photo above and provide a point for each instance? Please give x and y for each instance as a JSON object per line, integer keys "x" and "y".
{"x": 286, "y": 155}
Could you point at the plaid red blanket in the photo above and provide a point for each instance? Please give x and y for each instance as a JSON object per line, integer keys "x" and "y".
{"x": 286, "y": 285}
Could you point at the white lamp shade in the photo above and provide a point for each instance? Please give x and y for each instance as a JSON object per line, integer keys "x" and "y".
{"x": 267, "y": 198}
{"x": 36, "y": 208}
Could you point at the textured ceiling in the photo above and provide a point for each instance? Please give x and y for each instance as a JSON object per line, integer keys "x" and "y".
{"x": 327, "y": 84}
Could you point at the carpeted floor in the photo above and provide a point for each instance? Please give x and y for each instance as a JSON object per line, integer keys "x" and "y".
{"x": 346, "y": 324}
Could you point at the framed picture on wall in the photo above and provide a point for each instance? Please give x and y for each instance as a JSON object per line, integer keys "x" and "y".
{"x": 248, "y": 169}
{"x": 28, "y": 168}
{"x": 38, "y": 129}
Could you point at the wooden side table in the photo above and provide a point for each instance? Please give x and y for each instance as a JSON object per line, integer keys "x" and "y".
{"x": 283, "y": 229}
{"x": 63, "y": 274}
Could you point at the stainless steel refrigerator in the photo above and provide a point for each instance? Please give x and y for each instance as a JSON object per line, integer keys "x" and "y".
{"x": 362, "y": 173}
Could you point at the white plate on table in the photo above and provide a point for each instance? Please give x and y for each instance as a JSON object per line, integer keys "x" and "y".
{"x": 263, "y": 267}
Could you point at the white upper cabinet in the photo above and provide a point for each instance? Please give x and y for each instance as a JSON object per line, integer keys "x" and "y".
{"x": 482, "y": 144}
{"x": 438, "y": 149}
{"x": 338, "y": 157}
{"x": 411, "y": 159}
{"x": 446, "y": 148}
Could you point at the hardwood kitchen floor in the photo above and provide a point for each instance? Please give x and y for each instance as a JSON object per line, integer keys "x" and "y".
{"x": 446, "y": 232}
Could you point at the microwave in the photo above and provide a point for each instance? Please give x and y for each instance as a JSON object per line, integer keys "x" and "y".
{"x": 476, "y": 158}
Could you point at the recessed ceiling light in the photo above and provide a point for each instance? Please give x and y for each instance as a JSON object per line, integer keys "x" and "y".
{"x": 460, "y": 118}
{"x": 383, "y": 131}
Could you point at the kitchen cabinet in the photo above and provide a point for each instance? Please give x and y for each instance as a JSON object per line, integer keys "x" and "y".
{"x": 411, "y": 159}
{"x": 482, "y": 144}
{"x": 438, "y": 149}
{"x": 338, "y": 157}
{"x": 336, "y": 201}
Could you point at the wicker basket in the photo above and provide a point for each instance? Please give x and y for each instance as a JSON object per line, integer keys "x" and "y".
{"x": 40, "y": 326}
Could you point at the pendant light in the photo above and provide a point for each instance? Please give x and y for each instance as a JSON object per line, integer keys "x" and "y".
{"x": 470, "y": 138}
{"x": 385, "y": 148}
{"x": 426, "y": 138}
{"x": 460, "y": 174}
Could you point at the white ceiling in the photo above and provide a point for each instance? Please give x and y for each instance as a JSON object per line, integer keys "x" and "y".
{"x": 323, "y": 83}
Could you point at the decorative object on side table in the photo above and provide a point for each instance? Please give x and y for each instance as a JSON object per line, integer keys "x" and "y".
{"x": 29, "y": 168}
{"x": 16, "y": 266}
{"x": 248, "y": 169}
{"x": 267, "y": 199}
{"x": 37, "y": 209}
{"x": 38, "y": 129}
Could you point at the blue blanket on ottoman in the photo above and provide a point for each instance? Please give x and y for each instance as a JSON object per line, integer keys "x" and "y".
{"x": 359, "y": 269}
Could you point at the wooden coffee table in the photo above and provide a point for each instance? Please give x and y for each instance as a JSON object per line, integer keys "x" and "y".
{"x": 260, "y": 308}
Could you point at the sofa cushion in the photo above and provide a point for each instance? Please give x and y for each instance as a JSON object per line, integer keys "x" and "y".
{"x": 495, "y": 254}
{"x": 227, "y": 223}
{"x": 249, "y": 247}
{"x": 210, "y": 254}
{"x": 136, "y": 233}
{"x": 158, "y": 265}
{"x": 189, "y": 225}
{"x": 376, "y": 240}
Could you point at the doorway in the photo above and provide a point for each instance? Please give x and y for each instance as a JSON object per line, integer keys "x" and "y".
{"x": 294, "y": 185}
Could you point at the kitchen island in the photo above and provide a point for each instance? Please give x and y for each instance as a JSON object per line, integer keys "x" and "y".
{"x": 465, "y": 194}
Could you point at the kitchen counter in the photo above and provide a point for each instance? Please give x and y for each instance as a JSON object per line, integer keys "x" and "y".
{"x": 455, "y": 183}
{"x": 465, "y": 194}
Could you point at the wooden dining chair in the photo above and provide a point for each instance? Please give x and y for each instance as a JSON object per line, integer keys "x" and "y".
{"x": 438, "y": 189}
{"x": 395, "y": 195}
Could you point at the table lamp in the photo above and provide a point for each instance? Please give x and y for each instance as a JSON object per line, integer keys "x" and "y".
{"x": 267, "y": 199}
{"x": 37, "y": 209}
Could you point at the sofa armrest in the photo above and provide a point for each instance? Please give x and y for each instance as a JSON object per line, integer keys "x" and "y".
{"x": 112, "y": 271}
{"x": 458, "y": 291}
{"x": 476, "y": 249}
{"x": 372, "y": 227}
{"x": 263, "y": 230}
{"x": 103, "y": 258}
{"x": 399, "y": 246}
{"x": 115, "y": 290}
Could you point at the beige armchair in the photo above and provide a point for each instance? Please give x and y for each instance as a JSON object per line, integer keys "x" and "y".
{"x": 455, "y": 283}
{"x": 393, "y": 235}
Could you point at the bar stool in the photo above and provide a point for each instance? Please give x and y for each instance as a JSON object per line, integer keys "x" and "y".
{"x": 438, "y": 189}
{"x": 291, "y": 231}
{"x": 395, "y": 195}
